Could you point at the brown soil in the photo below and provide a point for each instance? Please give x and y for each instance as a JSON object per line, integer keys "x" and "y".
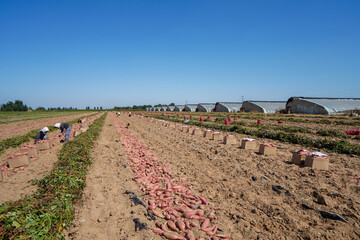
{"x": 105, "y": 212}
{"x": 252, "y": 209}
{"x": 18, "y": 184}
{"x": 223, "y": 174}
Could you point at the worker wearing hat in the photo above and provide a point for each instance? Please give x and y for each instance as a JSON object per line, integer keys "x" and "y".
{"x": 65, "y": 128}
{"x": 41, "y": 135}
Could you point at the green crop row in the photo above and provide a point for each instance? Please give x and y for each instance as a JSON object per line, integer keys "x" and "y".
{"x": 44, "y": 214}
{"x": 333, "y": 133}
{"x": 18, "y": 140}
{"x": 339, "y": 146}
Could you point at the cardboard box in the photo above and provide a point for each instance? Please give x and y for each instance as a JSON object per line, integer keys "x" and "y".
{"x": 32, "y": 152}
{"x": 197, "y": 132}
{"x": 43, "y": 145}
{"x": 57, "y": 140}
{"x": 20, "y": 161}
{"x": 267, "y": 150}
{"x": 172, "y": 125}
{"x": 185, "y": 129}
{"x": 76, "y": 133}
{"x": 1, "y": 176}
{"x": 217, "y": 136}
{"x": 84, "y": 129}
{"x": 230, "y": 140}
{"x": 317, "y": 163}
{"x": 178, "y": 127}
{"x": 190, "y": 130}
{"x": 250, "y": 145}
{"x": 208, "y": 134}
{"x": 298, "y": 159}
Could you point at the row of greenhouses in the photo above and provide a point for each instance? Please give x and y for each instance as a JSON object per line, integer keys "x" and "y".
{"x": 301, "y": 105}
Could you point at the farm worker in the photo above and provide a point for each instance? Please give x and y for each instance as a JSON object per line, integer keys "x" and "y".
{"x": 65, "y": 128}
{"x": 227, "y": 122}
{"x": 259, "y": 121}
{"x": 41, "y": 135}
{"x": 201, "y": 119}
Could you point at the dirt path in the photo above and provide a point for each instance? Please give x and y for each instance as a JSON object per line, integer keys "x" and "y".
{"x": 242, "y": 183}
{"x": 106, "y": 212}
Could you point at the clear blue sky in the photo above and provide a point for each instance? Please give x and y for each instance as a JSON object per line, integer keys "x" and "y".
{"x": 119, "y": 53}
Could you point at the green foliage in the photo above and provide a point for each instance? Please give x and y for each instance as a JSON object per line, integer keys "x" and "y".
{"x": 14, "y": 106}
{"x": 51, "y": 208}
{"x": 332, "y": 133}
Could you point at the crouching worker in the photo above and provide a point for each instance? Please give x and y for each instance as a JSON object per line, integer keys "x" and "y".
{"x": 41, "y": 135}
{"x": 65, "y": 128}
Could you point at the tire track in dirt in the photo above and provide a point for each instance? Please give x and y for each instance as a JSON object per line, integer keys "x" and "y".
{"x": 252, "y": 209}
{"x": 106, "y": 212}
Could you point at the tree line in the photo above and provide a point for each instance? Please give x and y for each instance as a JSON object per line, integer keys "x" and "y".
{"x": 142, "y": 107}
{"x": 18, "y": 105}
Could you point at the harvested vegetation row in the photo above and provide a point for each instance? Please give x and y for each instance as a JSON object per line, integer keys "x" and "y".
{"x": 339, "y": 146}
{"x": 181, "y": 212}
{"x": 17, "y": 141}
{"x": 51, "y": 208}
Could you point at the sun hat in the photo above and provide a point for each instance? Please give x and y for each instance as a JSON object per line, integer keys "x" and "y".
{"x": 45, "y": 129}
{"x": 57, "y": 125}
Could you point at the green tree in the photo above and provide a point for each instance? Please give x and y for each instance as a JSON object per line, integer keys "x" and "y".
{"x": 14, "y": 106}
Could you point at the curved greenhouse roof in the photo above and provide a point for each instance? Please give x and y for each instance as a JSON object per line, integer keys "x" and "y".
{"x": 179, "y": 108}
{"x": 263, "y": 106}
{"x": 205, "y": 107}
{"x": 170, "y": 108}
{"x": 190, "y": 107}
{"x": 228, "y": 106}
{"x": 309, "y": 105}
